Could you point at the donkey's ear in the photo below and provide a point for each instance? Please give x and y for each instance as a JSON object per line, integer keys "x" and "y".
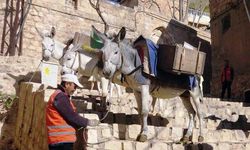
{"x": 121, "y": 35}
{"x": 98, "y": 33}
{"x": 53, "y": 32}
{"x": 39, "y": 33}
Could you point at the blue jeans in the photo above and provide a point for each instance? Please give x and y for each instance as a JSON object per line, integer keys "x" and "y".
{"x": 61, "y": 146}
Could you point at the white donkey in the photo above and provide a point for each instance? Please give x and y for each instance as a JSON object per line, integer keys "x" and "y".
{"x": 119, "y": 56}
{"x": 52, "y": 48}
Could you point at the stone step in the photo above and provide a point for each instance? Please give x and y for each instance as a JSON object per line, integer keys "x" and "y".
{"x": 125, "y": 131}
{"x": 111, "y": 144}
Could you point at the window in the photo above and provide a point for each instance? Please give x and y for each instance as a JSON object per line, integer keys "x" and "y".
{"x": 226, "y": 23}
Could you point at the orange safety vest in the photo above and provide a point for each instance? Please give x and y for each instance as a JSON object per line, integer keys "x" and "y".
{"x": 58, "y": 129}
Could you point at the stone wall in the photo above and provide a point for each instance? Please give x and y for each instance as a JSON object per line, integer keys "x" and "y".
{"x": 232, "y": 44}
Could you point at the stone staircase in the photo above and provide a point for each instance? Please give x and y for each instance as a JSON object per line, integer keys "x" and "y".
{"x": 226, "y": 124}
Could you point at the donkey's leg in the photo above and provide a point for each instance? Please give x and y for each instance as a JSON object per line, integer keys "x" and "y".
{"x": 153, "y": 105}
{"x": 104, "y": 93}
{"x": 196, "y": 95}
{"x": 191, "y": 112}
{"x": 98, "y": 87}
{"x": 139, "y": 105}
{"x": 118, "y": 89}
{"x": 111, "y": 87}
{"x": 145, "y": 96}
{"x": 138, "y": 98}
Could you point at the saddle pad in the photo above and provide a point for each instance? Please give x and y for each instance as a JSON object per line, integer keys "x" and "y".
{"x": 147, "y": 51}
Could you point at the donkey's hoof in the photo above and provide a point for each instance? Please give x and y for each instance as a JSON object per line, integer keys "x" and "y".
{"x": 200, "y": 139}
{"x": 142, "y": 138}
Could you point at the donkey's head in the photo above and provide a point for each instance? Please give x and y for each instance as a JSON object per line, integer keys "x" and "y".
{"x": 70, "y": 61}
{"x": 48, "y": 43}
{"x": 112, "y": 57}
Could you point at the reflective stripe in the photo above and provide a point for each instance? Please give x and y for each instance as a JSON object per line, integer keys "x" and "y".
{"x": 61, "y": 133}
{"x": 59, "y": 127}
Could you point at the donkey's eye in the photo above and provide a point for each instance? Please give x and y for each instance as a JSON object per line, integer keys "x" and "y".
{"x": 52, "y": 44}
{"x": 116, "y": 52}
{"x": 68, "y": 58}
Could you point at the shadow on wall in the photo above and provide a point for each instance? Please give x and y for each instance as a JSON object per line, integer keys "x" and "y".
{"x": 25, "y": 78}
{"x": 177, "y": 33}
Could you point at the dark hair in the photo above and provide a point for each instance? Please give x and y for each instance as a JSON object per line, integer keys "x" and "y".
{"x": 63, "y": 83}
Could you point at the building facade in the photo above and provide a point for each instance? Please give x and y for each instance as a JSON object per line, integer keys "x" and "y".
{"x": 230, "y": 37}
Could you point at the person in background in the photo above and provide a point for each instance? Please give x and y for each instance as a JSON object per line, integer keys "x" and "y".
{"x": 227, "y": 77}
{"x": 62, "y": 120}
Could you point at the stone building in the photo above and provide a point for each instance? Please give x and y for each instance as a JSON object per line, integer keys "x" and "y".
{"x": 230, "y": 37}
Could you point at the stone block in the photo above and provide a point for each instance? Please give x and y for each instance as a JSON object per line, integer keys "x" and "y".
{"x": 247, "y": 146}
{"x": 176, "y": 133}
{"x": 92, "y": 135}
{"x": 180, "y": 113}
{"x": 106, "y": 131}
{"x": 133, "y": 131}
{"x": 115, "y": 109}
{"x": 179, "y": 122}
{"x": 247, "y": 112}
{"x": 225, "y": 135}
{"x": 238, "y": 147}
{"x": 151, "y": 132}
{"x": 224, "y": 146}
{"x": 211, "y": 124}
{"x": 160, "y": 146}
{"x": 128, "y": 145}
{"x": 240, "y": 135}
{"x": 113, "y": 145}
{"x": 119, "y": 131}
{"x": 178, "y": 147}
{"x": 142, "y": 145}
{"x": 169, "y": 112}
{"x": 209, "y": 136}
{"x": 89, "y": 106}
{"x": 163, "y": 133}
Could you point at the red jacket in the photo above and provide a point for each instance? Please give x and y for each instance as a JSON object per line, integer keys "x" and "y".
{"x": 227, "y": 74}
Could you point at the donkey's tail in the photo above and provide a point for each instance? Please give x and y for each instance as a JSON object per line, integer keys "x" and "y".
{"x": 200, "y": 81}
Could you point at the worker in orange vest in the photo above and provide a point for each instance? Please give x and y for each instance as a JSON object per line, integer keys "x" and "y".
{"x": 62, "y": 121}
{"x": 227, "y": 77}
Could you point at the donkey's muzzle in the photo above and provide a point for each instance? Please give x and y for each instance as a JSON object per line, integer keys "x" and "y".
{"x": 107, "y": 74}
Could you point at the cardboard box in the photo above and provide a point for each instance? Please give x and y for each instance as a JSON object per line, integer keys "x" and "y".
{"x": 178, "y": 59}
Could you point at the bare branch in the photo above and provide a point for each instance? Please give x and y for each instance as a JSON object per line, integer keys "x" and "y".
{"x": 97, "y": 8}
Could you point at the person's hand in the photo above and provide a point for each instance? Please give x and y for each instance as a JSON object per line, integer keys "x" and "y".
{"x": 93, "y": 122}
